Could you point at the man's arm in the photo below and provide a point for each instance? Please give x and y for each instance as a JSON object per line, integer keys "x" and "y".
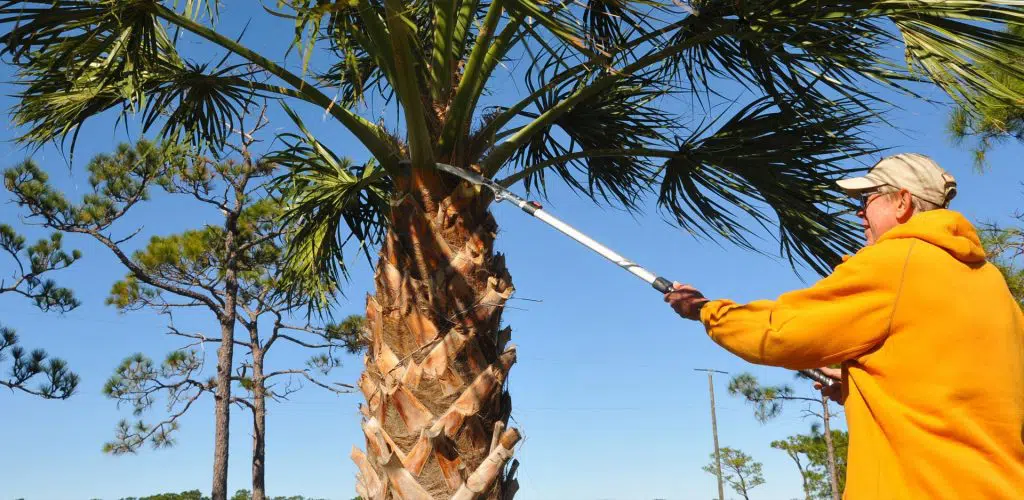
{"x": 838, "y": 318}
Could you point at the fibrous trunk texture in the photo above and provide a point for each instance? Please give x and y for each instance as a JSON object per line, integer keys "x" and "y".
{"x": 436, "y": 407}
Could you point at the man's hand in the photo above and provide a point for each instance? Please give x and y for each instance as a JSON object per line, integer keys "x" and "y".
{"x": 834, "y": 391}
{"x": 686, "y": 301}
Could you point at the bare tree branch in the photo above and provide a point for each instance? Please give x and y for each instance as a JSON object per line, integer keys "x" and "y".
{"x": 305, "y": 373}
{"x": 304, "y": 344}
{"x": 242, "y": 402}
{"x": 130, "y": 236}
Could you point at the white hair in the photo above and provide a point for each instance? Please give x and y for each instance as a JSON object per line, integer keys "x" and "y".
{"x": 919, "y": 204}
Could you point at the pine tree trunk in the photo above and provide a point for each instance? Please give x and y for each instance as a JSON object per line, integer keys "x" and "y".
{"x": 259, "y": 425}
{"x": 803, "y": 477}
{"x": 225, "y": 359}
{"x": 833, "y": 478}
{"x": 222, "y": 402}
{"x": 743, "y": 486}
{"x": 803, "y": 472}
{"x": 436, "y": 408}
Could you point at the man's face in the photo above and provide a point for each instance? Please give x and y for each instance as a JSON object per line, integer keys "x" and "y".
{"x": 880, "y": 212}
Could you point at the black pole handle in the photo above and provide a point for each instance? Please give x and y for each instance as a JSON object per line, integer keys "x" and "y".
{"x": 662, "y": 285}
{"x": 818, "y": 376}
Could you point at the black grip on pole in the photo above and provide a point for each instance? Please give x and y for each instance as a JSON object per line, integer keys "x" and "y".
{"x": 662, "y": 285}
{"x": 817, "y": 376}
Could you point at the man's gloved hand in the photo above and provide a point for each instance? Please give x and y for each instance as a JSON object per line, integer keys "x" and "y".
{"x": 834, "y": 391}
{"x": 686, "y": 301}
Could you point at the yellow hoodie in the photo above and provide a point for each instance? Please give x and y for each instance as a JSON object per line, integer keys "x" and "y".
{"x": 932, "y": 348}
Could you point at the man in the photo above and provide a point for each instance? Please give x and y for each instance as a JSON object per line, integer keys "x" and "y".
{"x": 930, "y": 341}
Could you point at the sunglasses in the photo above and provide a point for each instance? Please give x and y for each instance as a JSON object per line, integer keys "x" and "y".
{"x": 866, "y": 199}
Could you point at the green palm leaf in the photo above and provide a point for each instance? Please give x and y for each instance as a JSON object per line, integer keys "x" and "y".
{"x": 330, "y": 202}
{"x": 763, "y": 156}
{"x": 624, "y": 118}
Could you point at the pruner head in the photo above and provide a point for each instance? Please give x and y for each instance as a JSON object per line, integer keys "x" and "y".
{"x": 466, "y": 175}
{"x": 499, "y": 192}
{"x": 473, "y": 178}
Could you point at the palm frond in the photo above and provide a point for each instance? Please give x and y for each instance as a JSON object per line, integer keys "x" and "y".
{"x": 785, "y": 48}
{"x": 113, "y": 40}
{"x": 782, "y": 49}
{"x": 962, "y": 46}
{"x": 193, "y": 8}
{"x": 199, "y": 105}
{"x": 444, "y": 20}
{"x": 764, "y": 157}
{"x": 189, "y": 102}
{"x": 557, "y": 20}
{"x": 102, "y": 56}
{"x": 623, "y": 118}
{"x": 611, "y": 24}
{"x": 330, "y": 202}
{"x": 410, "y": 80}
{"x": 354, "y": 74}
{"x": 355, "y": 69}
{"x": 308, "y": 16}
{"x": 483, "y": 55}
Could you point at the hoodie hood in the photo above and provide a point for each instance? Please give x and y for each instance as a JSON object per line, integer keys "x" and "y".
{"x": 945, "y": 229}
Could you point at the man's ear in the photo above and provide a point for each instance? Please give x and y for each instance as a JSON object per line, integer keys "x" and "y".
{"x": 905, "y": 206}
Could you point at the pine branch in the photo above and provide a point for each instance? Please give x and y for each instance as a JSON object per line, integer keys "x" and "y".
{"x": 60, "y": 382}
{"x": 120, "y": 183}
{"x": 214, "y": 304}
{"x": 128, "y": 439}
{"x": 44, "y": 257}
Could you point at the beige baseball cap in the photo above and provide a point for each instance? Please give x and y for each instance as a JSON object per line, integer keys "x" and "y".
{"x": 916, "y": 173}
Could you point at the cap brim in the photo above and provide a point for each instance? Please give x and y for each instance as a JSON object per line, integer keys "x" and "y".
{"x": 857, "y": 185}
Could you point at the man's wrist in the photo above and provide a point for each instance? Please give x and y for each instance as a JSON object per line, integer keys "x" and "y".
{"x": 698, "y": 308}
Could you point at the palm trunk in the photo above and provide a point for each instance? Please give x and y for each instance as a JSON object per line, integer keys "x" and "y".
{"x": 833, "y": 478}
{"x": 436, "y": 408}
{"x": 259, "y": 425}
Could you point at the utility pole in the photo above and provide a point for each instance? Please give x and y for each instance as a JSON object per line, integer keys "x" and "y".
{"x": 714, "y": 427}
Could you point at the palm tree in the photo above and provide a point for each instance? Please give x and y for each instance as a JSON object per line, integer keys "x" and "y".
{"x": 600, "y": 112}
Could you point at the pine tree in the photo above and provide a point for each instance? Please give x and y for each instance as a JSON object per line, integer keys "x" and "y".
{"x": 230, "y": 270}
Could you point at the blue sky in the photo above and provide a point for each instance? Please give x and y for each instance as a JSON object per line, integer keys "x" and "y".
{"x": 604, "y": 390}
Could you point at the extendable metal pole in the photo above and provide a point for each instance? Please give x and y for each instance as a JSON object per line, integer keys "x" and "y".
{"x": 535, "y": 209}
